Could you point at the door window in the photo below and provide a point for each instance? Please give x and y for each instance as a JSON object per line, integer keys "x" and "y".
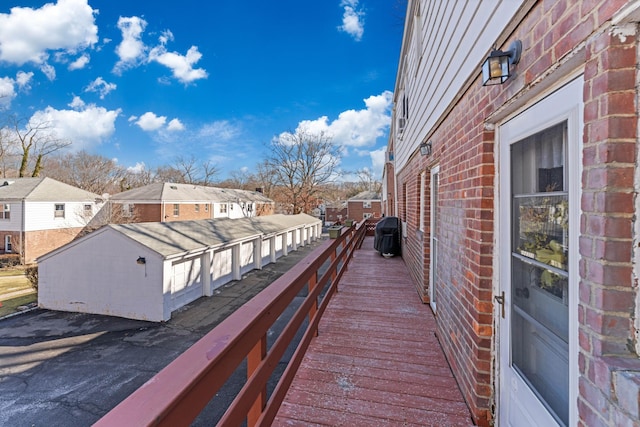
{"x": 539, "y": 274}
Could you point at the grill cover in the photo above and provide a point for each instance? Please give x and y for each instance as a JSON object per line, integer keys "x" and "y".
{"x": 387, "y": 236}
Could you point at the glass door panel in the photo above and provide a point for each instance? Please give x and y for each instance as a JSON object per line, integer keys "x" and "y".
{"x": 539, "y": 278}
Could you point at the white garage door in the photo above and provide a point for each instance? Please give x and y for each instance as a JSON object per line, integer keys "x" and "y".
{"x": 186, "y": 282}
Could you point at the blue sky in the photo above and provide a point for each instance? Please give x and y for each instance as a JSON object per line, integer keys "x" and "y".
{"x": 145, "y": 81}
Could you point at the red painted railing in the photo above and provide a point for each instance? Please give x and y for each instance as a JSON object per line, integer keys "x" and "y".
{"x": 178, "y": 393}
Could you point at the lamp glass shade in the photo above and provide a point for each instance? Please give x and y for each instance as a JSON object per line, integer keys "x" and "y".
{"x": 495, "y": 69}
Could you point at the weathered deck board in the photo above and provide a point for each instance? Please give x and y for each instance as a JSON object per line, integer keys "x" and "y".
{"x": 376, "y": 360}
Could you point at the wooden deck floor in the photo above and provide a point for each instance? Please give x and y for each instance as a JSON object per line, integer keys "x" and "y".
{"x": 376, "y": 360}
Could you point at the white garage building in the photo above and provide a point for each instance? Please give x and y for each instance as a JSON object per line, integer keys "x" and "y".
{"x": 147, "y": 270}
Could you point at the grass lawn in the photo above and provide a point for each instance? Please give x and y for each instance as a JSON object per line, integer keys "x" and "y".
{"x": 14, "y": 283}
{"x": 9, "y": 306}
{"x": 11, "y": 272}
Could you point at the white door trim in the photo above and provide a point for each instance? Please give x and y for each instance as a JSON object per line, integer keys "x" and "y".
{"x": 564, "y": 104}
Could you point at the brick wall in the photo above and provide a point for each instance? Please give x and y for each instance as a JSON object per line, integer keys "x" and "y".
{"x": 356, "y": 209}
{"x": 609, "y": 366}
{"x": 463, "y": 147}
{"x": 38, "y": 243}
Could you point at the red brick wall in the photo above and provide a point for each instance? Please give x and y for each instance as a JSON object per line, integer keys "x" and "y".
{"x": 464, "y": 150}
{"x": 38, "y": 243}
{"x": 335, "y": 214}
{"x": 608, "y": 289}
{"x": 356, "y": 209}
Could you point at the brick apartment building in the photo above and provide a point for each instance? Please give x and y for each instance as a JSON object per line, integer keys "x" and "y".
{"x": 366, "y": 204}
{"x": 519, "y": 202}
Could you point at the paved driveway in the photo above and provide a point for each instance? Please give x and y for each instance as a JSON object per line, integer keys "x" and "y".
{"x": 69, "y": 369}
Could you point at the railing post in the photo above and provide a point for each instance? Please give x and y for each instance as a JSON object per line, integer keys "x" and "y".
{"x": 313, "y": 282}
{"x": 254, "y": 358}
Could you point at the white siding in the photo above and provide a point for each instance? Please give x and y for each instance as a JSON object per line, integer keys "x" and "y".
{"x": 14, "y": 223}
{"x": 41, "y": 215}
{"x": 456, "y": 37}
{"x": 100, "y": 275}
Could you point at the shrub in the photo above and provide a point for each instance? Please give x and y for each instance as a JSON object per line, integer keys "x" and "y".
{"x": 32, "y": 274}
{"x": 9, "y": 260}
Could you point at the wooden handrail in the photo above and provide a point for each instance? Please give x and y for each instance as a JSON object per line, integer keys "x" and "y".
{"x": 178, "y": 393}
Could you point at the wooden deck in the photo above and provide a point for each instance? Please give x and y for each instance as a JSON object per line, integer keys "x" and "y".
{"x": 376, "y": 360}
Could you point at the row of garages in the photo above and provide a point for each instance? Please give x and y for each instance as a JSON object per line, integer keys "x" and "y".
{"x": 147, "y": 270}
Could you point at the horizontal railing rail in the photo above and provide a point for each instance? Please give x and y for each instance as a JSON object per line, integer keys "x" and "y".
{"x": 178, "y": 393}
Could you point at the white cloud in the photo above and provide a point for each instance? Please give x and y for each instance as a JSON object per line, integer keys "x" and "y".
{"x": 378, "y": 160}
{"x": 7, "y": 92}
{"x": 356, "y": 128}
{"x": 137, "y": 168}
{"x": 100, "y": 86}
{"x": 131, "y": 50}
{"x": 23, "y": 79}
{"x": 8, "y": 87}
{"x": 150, "y": 122}
{"x": 26, "y": 34}
{"x": 352, "y": 19}
{"x": 221, "y": 130}
{"x": 86, "y": 125}
{"x": 175, "y": 125}
{"x": 79, "y": 63}
{"x": 180, "y": 65}
{"x": 77, "y": 103}
{"x": 48, "y": 71}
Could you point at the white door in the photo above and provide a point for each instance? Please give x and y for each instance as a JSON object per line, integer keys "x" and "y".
{"x": 433, "y": 253}
{"x": 539, "y": 190}
{"x": 186, "y": 282}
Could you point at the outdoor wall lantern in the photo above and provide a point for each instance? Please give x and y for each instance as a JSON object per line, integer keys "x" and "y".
{"x": 425, "y": 148}
{"x": 496, "y": 69}
{"x": 141, "y": 260}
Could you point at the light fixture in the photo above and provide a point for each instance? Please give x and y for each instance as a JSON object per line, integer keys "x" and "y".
{"x": 496, "y": 69}
{"x": 141, "y": 260}
{"x": 425, "y": 148}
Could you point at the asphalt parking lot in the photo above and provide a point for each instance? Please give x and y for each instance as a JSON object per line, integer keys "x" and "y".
{"x": 69, "y": 369}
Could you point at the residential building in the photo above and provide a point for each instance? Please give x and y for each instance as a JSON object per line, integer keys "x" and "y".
{"x": 335, "y": 213}
{"x": 519, "y": 202}
{"x": 148, "y": 270}
{"x": 165, "y": 202}
{"x": 38, "y": 215}
{"x": 366, "y": 204}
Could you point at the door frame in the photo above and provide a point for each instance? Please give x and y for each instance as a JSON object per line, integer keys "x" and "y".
{"x": 433, "y": 219}
{"x": 565, "y": 103}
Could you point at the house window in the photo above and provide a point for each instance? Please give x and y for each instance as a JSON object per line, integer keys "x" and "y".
{"x": 127, "y": 210}
{"x": 87, "y": 210}
{"x": 367, "y": 215}
{"x": 366, "y": 205}
{"x": 206, "y": 208}
{"x": 5, "y": 214}
{"x": 59, "y": 210}
{"x": 176, "y": 209}
{"x": 197, "y": 208}
{"x": 223, "y": 208}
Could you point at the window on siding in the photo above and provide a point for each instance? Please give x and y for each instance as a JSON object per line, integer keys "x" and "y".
{"x": 6, "y": 211}
{"x": 366, "y": 205}
{"x": 176, "y": 209}
{"x": 367, "y": 215}
{"x": 197, "y": 208}
{"x": 127, "y": 210}
{"x": 87, "y": 210}
{"x": 223, "y": 208}
{"x": 59, "y": 210}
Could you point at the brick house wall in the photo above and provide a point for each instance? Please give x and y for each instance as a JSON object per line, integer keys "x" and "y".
{"x": 464, "y": 149}
{"x": 333, "y": 215}
{"x": 38, "y": 243}
{"x": 356, "y": 209}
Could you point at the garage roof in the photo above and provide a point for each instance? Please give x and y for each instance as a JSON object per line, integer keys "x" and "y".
{"x": 177, "y": 237}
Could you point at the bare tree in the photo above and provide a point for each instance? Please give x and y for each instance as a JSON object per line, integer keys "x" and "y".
{"x": 90, "y": 172}
{"x": 188, "y": 170}
{"x": 367, "y": 181}
{"x": 302, "y": 162}
{"x": 35, "y": 140}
